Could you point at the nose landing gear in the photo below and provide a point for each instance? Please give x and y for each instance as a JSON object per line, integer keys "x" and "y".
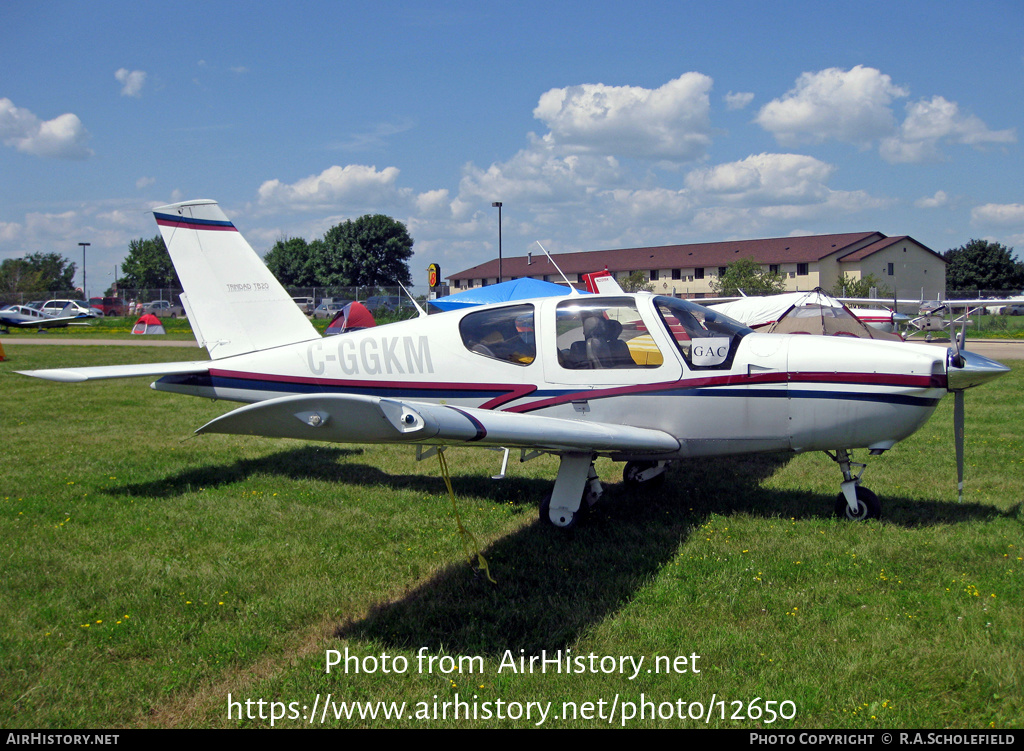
{"x": 854, "y": 503}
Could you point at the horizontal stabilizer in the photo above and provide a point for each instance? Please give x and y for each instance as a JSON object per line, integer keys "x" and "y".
{"x": 103, "y": 372}
{"x": 349, "y": 418}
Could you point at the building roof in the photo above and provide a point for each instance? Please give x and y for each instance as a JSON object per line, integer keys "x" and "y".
{"x": 804, "y": 249}
{"x": 885, "y": 242}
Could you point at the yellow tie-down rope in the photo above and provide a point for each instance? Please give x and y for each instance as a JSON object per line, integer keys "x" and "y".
{"x": 467, "y": 536}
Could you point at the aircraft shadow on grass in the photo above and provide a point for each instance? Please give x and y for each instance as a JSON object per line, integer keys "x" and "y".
{"x": 554, "y": 587}
{"x": 554, "y": 584}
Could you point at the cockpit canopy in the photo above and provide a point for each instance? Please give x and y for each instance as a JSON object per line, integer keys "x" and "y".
{"x": 601, "y": 333}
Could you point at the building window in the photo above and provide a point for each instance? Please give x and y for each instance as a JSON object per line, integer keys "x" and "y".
{"x": 722, "y": 270}
{"x": 773, "y": 268}
{"x": 801, "y": 269}
{"x": 698, "y": 273}
{"x": 654, "y": 275}
{"x": 677, "y": 273}
{"x": 891, "y": 271}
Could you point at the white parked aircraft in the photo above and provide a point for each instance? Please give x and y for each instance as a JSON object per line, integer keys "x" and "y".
{"x": 24, "y": 317}
{"x": 637, "y": 378}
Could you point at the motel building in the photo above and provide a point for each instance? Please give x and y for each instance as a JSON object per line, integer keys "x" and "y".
{"x": 901, "y": 263}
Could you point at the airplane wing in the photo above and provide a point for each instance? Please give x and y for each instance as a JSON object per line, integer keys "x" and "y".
{"x": 41, "y": 323}
{"x": 103, "y": 372}
{"x": 351, "y": 418}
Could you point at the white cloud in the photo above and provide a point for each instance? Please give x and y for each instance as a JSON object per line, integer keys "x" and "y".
{"x": 63, "y": 137}
{"x": 434, "y": 202}
{"x": 1003, "y": 214}
{"x": 9, "y": 231}
{"x": 765, "y": 179}
{"x": 537, "y": 175}
{"x": 670, "y": 122}
{"x": 131, "y": 81}
{"x": 936, "y": 201}
{"x": 931, "y": 122}
{"x": 119, "y": 218}
{"x": 738, "y": 100}
{"x": 144, "y": 182}
{"x": 351, "y": 186}
{"x": 851, "y": 106}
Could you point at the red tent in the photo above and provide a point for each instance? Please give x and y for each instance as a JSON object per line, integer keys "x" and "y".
{"x": 148, "y": 324}
{"x": 352, "y": 317}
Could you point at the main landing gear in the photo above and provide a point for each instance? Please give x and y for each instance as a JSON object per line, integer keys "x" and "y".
{"x": 854, "y": 503}
{"x": 577, "y": 487}
{"x": 576, "y": 490}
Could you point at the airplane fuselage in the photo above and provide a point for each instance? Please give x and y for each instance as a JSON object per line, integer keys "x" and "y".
{"x": 758, "y": 392}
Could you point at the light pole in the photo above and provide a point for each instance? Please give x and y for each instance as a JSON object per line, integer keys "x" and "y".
{"x": 497, "y": 205}
{"x": 85, "y": 292}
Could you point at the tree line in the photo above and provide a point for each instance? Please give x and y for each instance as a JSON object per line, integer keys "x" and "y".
{"x": 374, "y": 250}
{"x": 36, "y": 274}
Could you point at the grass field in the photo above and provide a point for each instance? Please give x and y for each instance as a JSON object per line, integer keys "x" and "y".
{"x": 148, "y": 575}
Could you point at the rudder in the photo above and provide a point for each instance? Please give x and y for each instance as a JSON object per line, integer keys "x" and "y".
{"x": 234, "y": 303}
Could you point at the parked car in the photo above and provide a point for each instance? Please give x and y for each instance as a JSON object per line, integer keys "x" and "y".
{"x": 111, "y": 306}
{"x": 77, "y": 307}
{"x": 329, "y": 309}
{"x": 306, "y": 304}
{"x": 163, "y": 309}
{"x": 381, "y": 303}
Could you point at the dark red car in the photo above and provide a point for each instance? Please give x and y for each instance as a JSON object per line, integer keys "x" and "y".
{"x": 111, "y": 306}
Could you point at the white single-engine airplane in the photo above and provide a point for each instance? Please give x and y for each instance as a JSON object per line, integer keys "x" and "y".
{"x": 634, "y": 377}
{"x": 24, "y": 317}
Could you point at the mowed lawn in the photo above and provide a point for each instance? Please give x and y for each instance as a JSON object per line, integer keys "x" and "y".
{"x": 147, "y": 575}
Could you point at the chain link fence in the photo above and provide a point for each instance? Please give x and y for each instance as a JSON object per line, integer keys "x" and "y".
{"x": 130, "y": 301}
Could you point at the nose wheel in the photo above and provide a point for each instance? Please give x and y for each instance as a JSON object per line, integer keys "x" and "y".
{"x": 855, "y": 503}
{"x": 868, "y": 506}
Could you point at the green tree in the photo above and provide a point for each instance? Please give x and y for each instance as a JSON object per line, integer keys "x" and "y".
{"x": 981, "y": 264}
{"x": 636, "y": 282}
{"x": 847, "y": 286}
{"x": 148, "y": 266}
{"x": 291, "y": 261}
{"x": 747, "y": 275}
{"x": 368, "y": 251}
{"x": 17, "y": 278}
{"x": 55, "y": 271}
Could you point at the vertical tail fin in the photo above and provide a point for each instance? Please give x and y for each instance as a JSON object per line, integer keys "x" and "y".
{"x": 234, "y": 303}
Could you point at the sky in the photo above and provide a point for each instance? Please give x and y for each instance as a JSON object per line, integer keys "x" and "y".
{"x": 597, "y": 124}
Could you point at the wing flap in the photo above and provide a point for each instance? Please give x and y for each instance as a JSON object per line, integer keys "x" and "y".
{"x": 103, "y": 372}
{"x": 351, "y": 418}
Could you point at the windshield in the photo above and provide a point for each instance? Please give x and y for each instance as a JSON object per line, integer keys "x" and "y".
{"x": 706, "y": 339}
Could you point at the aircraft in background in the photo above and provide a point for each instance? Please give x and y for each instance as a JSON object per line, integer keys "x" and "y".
{"x": 813, "y": 312}
{"x": 24, "y": 317}
{"x": 637, "y": 378}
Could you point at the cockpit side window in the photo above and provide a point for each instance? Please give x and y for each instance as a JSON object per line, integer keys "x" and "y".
{"x": 602, "y": 334}
{"x": 706, "y": 339}
{"x": 505, "y": 334}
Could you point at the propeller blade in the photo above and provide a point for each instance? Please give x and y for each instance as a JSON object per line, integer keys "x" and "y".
{"x": 958, "y": 435}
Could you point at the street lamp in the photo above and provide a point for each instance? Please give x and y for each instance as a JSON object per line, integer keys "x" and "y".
{"x": 85, "y": 292}
{"x": 497, "y": 205}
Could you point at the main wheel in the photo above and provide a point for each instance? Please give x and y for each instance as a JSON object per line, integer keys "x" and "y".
{"x": 567, "y": 522}
{"x": 632, "y": 471}
{"x": 868, "y": 506}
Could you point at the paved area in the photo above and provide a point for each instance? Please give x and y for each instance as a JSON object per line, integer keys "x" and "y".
{"x": 997, "y": 349}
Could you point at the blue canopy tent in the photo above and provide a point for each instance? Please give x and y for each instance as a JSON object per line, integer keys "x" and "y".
{"x": 516, "y": 289}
